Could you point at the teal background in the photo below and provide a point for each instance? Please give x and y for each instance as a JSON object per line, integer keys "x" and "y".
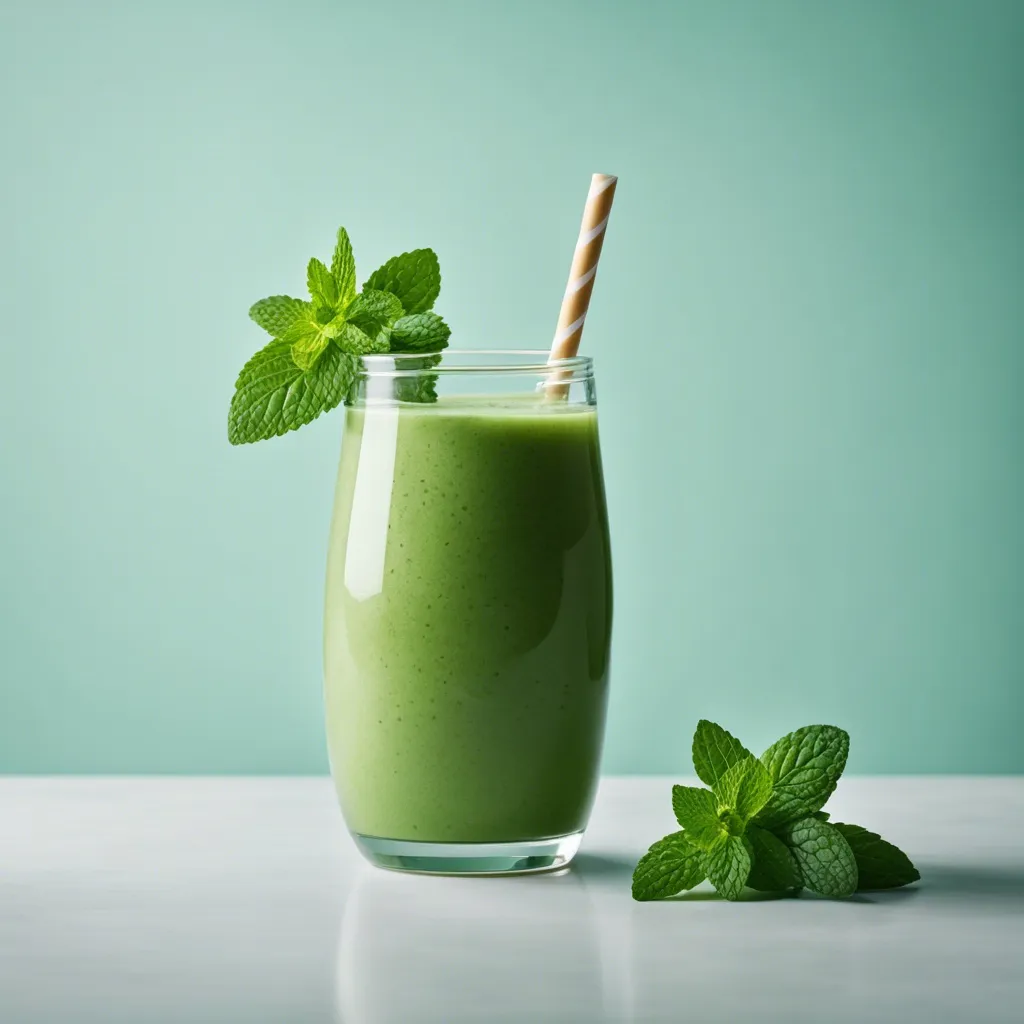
{"x": 808, "y": 327}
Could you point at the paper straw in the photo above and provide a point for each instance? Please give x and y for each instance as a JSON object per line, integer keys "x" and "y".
{"x": 576, "y": 300}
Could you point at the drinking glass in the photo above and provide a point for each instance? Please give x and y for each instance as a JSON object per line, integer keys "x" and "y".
{"x": 468, "y": 611}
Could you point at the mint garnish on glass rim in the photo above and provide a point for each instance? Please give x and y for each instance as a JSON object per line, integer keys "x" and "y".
{"x": 309, "y": 366}
{"x": 761, "y": 824}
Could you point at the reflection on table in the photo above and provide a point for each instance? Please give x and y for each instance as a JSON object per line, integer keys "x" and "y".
{"x": 532, "y": 948}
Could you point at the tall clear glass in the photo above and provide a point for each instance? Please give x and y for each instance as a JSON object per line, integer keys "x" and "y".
{"x": 468, "y": 611}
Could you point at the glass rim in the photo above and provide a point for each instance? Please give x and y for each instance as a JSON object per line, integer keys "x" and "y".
{"x": 535, "y": 361}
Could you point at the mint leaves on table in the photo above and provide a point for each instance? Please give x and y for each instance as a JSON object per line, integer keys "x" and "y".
{"x": 880, "y": 864}
{"x": 761, "y": 824}
{"x": 805, "y": 767}
{"x": 309, "y": 365}
{"x": 669, "y": 866}
{"x": 773, "y": 866}
{"x": 824, "y": 857}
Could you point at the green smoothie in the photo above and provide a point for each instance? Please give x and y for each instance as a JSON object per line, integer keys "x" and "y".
{"x": 467, "y": 620}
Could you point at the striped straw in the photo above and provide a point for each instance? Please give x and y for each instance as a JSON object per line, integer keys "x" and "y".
{"x": 584, "y": 266}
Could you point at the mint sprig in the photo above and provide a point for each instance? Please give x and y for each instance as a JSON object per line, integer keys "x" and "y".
{"x": 760, "y": 824}
{"x": 309, "y": 366}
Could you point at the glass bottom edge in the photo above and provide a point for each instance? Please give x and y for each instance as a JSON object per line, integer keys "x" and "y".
{"x": 518, "y": 858}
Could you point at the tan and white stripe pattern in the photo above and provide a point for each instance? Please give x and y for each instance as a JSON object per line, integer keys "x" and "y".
{"x": 584, "y": 266}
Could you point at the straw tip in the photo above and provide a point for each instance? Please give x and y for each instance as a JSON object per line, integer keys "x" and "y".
{"x": 601, "y": 183}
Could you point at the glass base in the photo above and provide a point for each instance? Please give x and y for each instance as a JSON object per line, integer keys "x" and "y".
{"x": 470, "y": 858}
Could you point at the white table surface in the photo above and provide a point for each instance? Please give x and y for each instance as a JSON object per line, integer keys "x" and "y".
{"x": 224, "y": 900}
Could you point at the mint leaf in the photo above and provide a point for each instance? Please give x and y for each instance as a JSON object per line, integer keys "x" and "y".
{"x": 310, "y": 333}
{"x": 373, "y": 312}
{"x": 276, "y": 313}
{"x": 306, "y": 353}
{"x": 880, "y": 865}
{"x": 671, "y": 865}
{"x": 421, "y": 332}
{"x": 415, "y": 277}
{"x": 805, "y": 766}
{"x": 744, "y": 788}
{"x": 343, "y": 269}
{"x": 715, "y": 751}
{"x": 697, "y": 811}
{"x": 273, "y": 395}
{"x": 821, "y": 815}
{"x": 357, "y": 342}
{"x": 421, "y": 388}
{"x": 774, "y": 868}
{"x": 256, "y": 365}
{"x": 827, "y": 864}
{"x": 307, "y": 342}
{"x": 727, "y": 862}
{"x": 323, "y": 289}
{"x": 335, "y": 328}
{"x": 303, "y": 326}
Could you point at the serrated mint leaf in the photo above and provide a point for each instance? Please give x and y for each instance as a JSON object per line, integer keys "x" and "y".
{"x": 323, "y": 289}
{"x": 306, "y": 353}
{"x": 715, "y": 751}
{"x": 727, "y": 863}
{"x": 304, "y": 326}
{"x": 358, "y": 343}
{"x": 697, "y": 811}
{"x": 415, "y": 277}
{"x": 671, "y": 865}
{"x": 805, "y": 766}
{"x": 880, "y": 865}
{"x": 373, "y": 312}
{"x": 276, "y": 313}
{"x": 332, "y": 377}
{"x": 256, "y": 365}
{"x": 774, "y": 868}
{"x": 307, "y": 340}
{"x": 343, "y": 269}
{"x": 744, "y": 788}
{"x": 310, "y": 334}
{"x": 421, "y": 332}
{"x": 334, "y": 328}
{"x": 269, "y": 371}
{"x": 825, "y": 858}
{"x": 274, "y": 395}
